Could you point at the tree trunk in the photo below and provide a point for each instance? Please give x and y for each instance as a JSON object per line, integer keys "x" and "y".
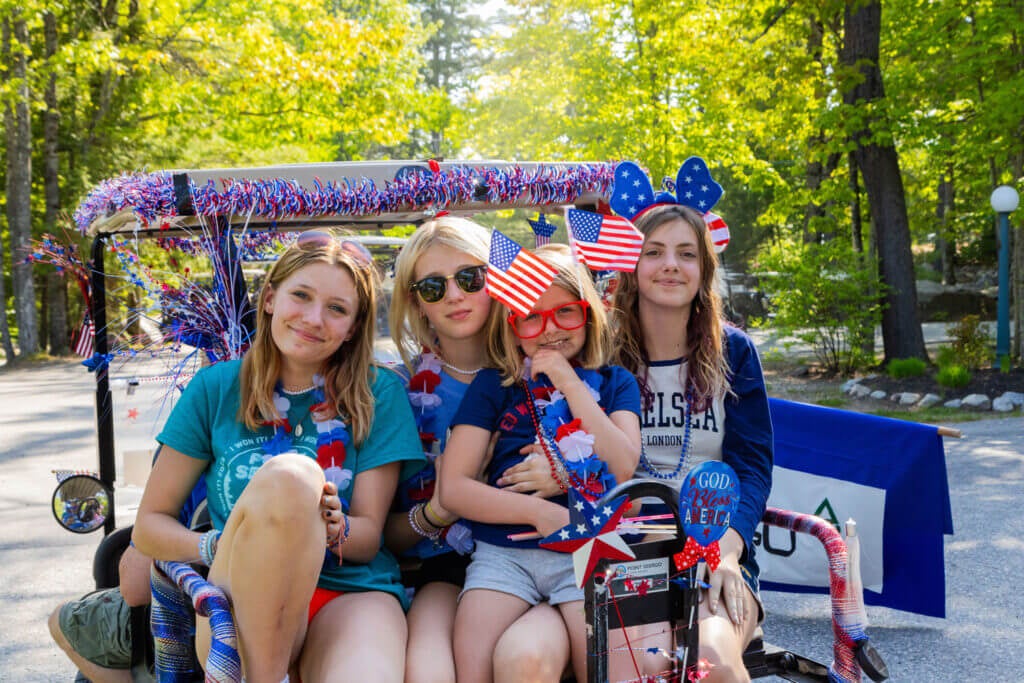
{"x": 5, "y": 330}
{"x": 946, "y": 242}
{"x": 56, "y": 288}
{"x": 879, "y": 167}
{"x": 19, "y": 189}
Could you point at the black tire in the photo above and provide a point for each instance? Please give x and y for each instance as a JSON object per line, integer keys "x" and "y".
{"x": 108, "y": 556}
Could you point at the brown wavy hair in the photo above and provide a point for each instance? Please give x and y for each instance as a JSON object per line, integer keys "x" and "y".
{"x": 346, "y": 373}
{"x": 708, "y": 373}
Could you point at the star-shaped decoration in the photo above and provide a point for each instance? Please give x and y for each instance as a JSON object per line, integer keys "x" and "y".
{"x": 590, "y": 535}
{"x": 133, "y": 413}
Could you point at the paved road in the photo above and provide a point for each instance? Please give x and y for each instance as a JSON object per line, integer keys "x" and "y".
{"x": 47, "y": 423}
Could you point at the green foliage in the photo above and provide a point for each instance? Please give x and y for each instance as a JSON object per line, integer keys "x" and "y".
{"x": 899, "y": 368}
{"x": 824, "y": 296}
{"x": 945, "y": 356}
{"x": 971, "y": 343}
{"x": 953, "y": 376}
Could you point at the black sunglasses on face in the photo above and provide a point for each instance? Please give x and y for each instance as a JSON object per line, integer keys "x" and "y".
{"x": 432, "y": 289}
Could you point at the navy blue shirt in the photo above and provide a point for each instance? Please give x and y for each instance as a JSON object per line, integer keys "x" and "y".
{"x": 490, "y": 406}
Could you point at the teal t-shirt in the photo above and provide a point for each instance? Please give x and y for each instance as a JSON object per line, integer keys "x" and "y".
{"x": 204, "y": 424}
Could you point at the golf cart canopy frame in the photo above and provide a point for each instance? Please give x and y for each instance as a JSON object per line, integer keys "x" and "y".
{"x": 369, "y": 195}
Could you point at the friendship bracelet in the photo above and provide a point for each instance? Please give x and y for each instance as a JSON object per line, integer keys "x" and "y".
{"x": 432, "y": 535}
{"x": 426, "y": 516}
{"x": 208, "y": 546}
{"x": 335, "y": 544}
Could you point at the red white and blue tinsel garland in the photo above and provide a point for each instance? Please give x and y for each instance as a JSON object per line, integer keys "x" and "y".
{"x": 151, "y": 195}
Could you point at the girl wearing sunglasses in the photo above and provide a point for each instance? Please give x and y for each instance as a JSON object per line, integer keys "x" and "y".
{"x": 551, "y": 362}
{"x": 439, "y": 318}
{"x": 300, "y": 443}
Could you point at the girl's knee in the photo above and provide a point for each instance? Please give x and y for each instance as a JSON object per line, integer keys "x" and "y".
{"x": 286, "y": 486}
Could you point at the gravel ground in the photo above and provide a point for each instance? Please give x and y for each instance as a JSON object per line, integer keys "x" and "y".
{"x": 47, "y": 423}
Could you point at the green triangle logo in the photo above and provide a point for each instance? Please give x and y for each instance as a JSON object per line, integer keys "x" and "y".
{"x": 826, "y": 512}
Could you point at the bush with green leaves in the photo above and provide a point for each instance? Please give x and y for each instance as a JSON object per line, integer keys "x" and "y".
{"x": 825, "y": 296}
{"x": 953, "y": 376}
{"x": 971, "y": 343}
{"x": 898, "y": 368}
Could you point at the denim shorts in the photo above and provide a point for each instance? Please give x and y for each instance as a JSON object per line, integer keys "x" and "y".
{"x": 532, "y": 574}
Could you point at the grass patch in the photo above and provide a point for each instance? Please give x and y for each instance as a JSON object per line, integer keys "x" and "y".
{"x": 937, "y": 415}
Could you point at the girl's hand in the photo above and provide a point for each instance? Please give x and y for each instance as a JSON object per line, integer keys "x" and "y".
{"x": 330, "y": 511}
{"x": 555, "y": 366}
{"x": 438, "y": 513}
{"x": 727, "y": 584}
{"x": 550, "y": 518}
{"x": 532, "y": 475}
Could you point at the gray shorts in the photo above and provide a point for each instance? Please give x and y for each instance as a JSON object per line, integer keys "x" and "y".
{"x": 532, "y": 574}
{"x": 98, "y": 627}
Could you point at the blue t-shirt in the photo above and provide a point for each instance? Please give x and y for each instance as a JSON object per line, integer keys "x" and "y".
{"x": 435, "y": 421}
{"x": 490, "y": 406}
{"x": 204, "y": 424}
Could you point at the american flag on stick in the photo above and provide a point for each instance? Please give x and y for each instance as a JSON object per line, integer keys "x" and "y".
{"x": 604, "y": 242}
{"x": 86, "y": 336}
{"x": 515, "y": 276}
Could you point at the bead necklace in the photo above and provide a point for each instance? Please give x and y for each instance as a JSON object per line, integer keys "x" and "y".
{"x": 684, "y": 454}
{"x": 590, "y": 476}
{"x": 296, "y": 392}
{"x": 458, "y": 369}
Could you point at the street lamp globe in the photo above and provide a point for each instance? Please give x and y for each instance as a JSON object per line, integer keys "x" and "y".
{"x": 1004, "y": 199}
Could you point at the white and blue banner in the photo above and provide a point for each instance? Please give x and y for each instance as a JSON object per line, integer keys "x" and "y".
{"x": 888, "y": 475}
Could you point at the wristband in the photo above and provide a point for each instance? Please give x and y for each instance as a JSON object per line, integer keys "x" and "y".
{"x": 208, "y": 546}
{"x": 426, "y": 515}
{"x": 342, "y": 536}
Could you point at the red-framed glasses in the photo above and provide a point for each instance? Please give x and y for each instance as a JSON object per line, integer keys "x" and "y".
{"x": 570, "y": 316}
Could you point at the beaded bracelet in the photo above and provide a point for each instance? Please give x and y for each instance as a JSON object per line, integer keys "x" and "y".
{"x": 208, "y": 546}
{"x": 334, "y": 545}
{"x": 432, "y": 535}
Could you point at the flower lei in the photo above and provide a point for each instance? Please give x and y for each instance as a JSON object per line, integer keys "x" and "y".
{"x": 332, "y": 440}
{"x": 425, "y": 402}
{"x": 564, "y": 438}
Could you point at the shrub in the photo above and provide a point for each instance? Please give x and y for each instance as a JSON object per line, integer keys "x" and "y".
{"x": 953, "y": 376}
{"x": 899, "y": 368}
{"x": 823, "y": 295}
{"x": 971, "y": 343}
{"x": 945, "y": 356}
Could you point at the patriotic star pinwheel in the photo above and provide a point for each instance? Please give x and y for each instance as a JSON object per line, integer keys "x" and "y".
{"x": 590, "y": 534}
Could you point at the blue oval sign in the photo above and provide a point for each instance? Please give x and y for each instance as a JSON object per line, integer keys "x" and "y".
{"x": 708, "y": 500}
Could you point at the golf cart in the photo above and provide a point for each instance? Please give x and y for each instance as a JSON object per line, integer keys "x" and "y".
{"x": 216, "y": 211}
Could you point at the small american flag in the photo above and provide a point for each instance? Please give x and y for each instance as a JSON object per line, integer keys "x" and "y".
{"x": 604, "y": 242}
{"x": 719, "y": 231}
{"x": 515, "y": 276}
{"x": 542, "y": 230}
{"x": 84, "y": 344}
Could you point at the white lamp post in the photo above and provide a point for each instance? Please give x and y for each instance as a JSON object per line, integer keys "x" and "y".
{"x": 1004, "y": 201}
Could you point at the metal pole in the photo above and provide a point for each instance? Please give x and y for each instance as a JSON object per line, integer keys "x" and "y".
{"x": 1003, "y": 302}
{"x": 104, "y": 401}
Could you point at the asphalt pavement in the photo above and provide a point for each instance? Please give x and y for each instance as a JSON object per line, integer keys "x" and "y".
{"x": 47, "y": 422}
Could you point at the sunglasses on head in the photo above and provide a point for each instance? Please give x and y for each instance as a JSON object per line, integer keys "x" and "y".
{"x": 319, "y": 238}
{"x": 432, "y": 289}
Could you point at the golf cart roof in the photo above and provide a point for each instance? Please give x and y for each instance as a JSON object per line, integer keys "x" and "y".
{"x": 358, "y": 195}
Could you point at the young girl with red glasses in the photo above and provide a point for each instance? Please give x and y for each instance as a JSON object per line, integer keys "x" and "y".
{"x": 301, "y": 445}
{"x": 551, "y": 362}
{"x": 439, "y": 318}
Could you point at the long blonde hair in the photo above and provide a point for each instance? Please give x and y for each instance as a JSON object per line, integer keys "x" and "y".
{"x": 503, "y": 345}
{"x": 409, "y": 329}
{"x": 708, "y": 370}
{"x": 346, "y": 373}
